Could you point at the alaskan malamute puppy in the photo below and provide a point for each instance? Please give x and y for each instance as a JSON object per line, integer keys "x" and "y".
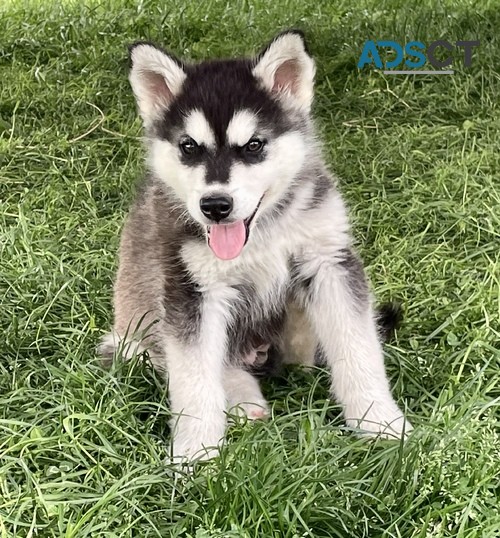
{"x": 238, "y": 246}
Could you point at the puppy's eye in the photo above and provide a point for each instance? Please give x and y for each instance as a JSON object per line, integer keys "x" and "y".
{"x": 188, "y": 146}
{"x": 254, "y": 146}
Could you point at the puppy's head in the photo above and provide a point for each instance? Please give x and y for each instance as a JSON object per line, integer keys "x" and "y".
{"x": 226, "y": 135}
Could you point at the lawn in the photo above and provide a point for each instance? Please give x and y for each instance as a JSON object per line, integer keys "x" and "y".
{"x": 82, "y": 449}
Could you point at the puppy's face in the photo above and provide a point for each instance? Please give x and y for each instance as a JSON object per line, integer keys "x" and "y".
{"x": 226, "y": 136}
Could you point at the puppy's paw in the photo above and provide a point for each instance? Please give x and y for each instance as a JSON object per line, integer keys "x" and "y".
{"x": 394, "y": 429}
{"x": 386, "y": 422}
{"x": 255, "y": 410}
{"x": 184, "y": 454}
{"x": 196, "y": 439}
{"x": 258, "y": 356}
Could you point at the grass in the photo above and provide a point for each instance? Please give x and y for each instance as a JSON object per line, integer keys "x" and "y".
{"x": 82, "y": 449}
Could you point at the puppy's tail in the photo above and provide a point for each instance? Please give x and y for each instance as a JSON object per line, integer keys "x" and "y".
{"x": 389, "y": 318}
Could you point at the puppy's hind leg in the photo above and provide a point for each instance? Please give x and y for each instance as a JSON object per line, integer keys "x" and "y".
{"x": 243, "y": 394}
{"x": 126, "y": 345}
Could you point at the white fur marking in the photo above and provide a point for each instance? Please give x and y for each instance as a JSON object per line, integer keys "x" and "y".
{"x": 241, "y": 128}
{"x": 198, "y": 128}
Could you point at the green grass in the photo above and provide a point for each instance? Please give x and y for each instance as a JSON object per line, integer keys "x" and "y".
{"x": 82, "y": 449}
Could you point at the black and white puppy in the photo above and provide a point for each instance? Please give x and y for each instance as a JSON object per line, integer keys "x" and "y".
{"x": 238, "y": 242}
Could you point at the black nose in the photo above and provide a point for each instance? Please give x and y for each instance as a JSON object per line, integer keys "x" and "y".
{"x": 216, "y": 207}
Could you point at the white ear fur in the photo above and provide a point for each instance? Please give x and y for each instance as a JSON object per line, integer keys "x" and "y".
{"x": 286, "y": 69}
{"x": 156, "y": 78}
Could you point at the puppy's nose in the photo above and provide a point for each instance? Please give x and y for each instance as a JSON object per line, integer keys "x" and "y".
{"x": 216, "y": 207}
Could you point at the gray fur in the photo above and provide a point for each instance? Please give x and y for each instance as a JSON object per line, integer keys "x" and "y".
{"x": 355, "y": 275}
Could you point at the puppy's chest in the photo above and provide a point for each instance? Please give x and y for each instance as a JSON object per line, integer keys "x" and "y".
{"x": 256, "y": 290}
{"x": 255, "y": 320}
{"x": 263, "y": 270}
{"x": 258, "y": 313}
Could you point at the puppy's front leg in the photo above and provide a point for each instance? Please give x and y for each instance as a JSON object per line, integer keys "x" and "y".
{"x": 195, "y": 382}
{"x": 338, "y": 303}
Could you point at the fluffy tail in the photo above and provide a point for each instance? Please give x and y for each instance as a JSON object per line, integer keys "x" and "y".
{"x": 389, "y": 318}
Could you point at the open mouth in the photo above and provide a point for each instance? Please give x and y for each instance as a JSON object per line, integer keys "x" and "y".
{"x": 227, "y": 240}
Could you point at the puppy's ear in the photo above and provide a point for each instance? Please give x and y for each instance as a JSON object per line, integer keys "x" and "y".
{"x": 286, "y": 69}
{"x": 156, "y": 78}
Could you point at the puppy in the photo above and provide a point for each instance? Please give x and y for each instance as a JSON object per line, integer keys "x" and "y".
{"x": 238, "y": 243}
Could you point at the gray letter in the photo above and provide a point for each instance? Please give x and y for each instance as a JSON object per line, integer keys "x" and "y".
{"x": 467, "y": 45}
{"x": 430, "y": 53}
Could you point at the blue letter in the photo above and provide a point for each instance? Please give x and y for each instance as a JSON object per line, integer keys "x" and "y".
{"x": 397, "y": 48}
{"x": 415, "y": 53}
{"x": 365, "y": 58}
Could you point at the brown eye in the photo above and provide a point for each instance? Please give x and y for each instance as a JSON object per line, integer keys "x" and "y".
{"x": 188, "y": 146}
{"x": 254, "y": 146}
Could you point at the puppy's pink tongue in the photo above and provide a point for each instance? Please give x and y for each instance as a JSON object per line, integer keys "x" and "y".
{"x": 227, "y": 240}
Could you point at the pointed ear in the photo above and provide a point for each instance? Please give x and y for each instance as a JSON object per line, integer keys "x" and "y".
{"x": 285, "y": 69}
{"x": 156, "y": 78}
